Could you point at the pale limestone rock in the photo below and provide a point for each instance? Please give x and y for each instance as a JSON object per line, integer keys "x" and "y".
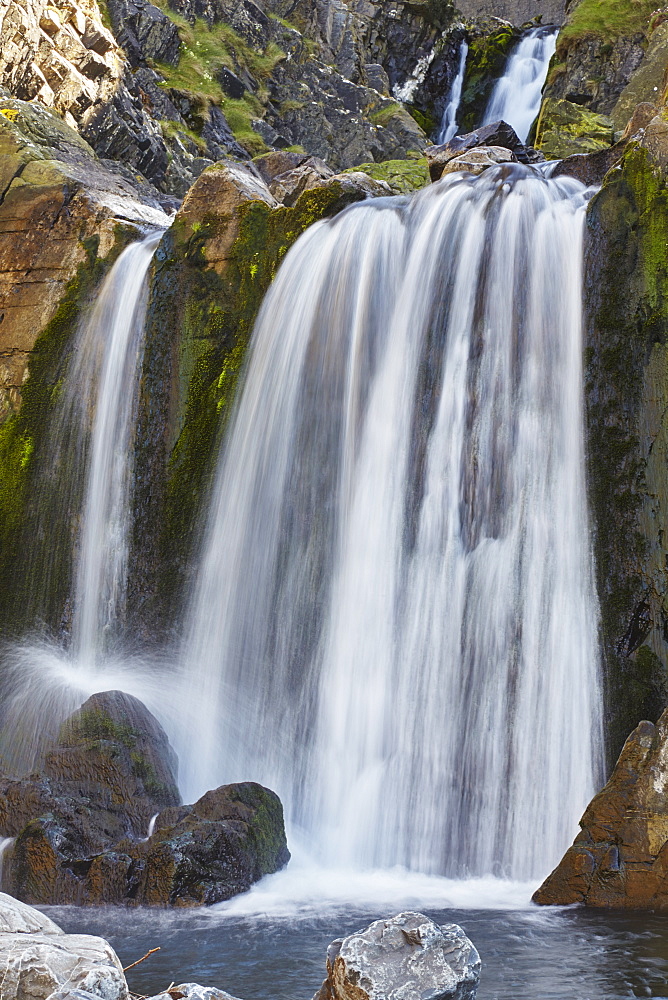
{"x": 19, "y": 918}
{"x": 50, "y": 21}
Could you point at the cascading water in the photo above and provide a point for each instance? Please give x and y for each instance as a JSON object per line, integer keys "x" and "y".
{"x": 92, "y": 436}
{"x": 449, "y": 123}
{"x": 517, "y": 95}
{"x": 395, "y": 624}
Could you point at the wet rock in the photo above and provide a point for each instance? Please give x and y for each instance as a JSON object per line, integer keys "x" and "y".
{"x": 646, "y": 85}
{"x": 228, "y": 840}
{"x": 38, "y": 961}
{"x": 407, "y": 957}
{"x": 620, "y": 857}
{"x": 498, "y": 135}
{"x": 118, "y": 726}
{"x": 590, "y": 168}
{"x": 564, "y": 128}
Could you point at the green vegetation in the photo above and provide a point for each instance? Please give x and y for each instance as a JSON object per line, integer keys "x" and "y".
{"x": 205, "y": 51}
{"x": 607, "y": 19}
{"x": 403, "y": 176}
{"x": 563, "y": 129}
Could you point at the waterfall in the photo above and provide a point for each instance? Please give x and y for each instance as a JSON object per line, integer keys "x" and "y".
{"x": 449, "y": 123}
{"x": 516, "y": 97}
{"x": 395, "y": 624}
{"x": 107, "y": 365}
{"x": 91, "y": 447}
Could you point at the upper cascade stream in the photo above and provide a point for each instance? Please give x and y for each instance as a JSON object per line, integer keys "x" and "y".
{"x": 395, "y": 624}
{"x": 517, "y": 95}
{"x": 449, "y": 123}
{"x": 88, "y": 482}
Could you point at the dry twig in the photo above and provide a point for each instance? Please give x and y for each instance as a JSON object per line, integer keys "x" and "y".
{"x": 141, "y": 959}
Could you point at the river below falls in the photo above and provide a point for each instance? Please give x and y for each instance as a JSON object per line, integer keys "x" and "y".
{"x": 270, "y": 944}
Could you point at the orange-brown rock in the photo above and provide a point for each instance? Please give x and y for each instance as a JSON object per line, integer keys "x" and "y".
{"x": 620, "y": 857}
{"x": 55, "y": 198}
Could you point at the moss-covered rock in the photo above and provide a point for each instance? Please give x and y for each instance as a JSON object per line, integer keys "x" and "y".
{"x": 627, "y": 402}
{"x": 211, "y": 274}
{"x": 564, "y": 129}
{"x": 403, "y": 176}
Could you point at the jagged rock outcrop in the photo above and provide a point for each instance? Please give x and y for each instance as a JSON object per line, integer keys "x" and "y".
{"x": 620, "y": 857}
{"x": 518, "y": 12}
{"x": 407, "y": 957}
{"x": 39, "y": 961}
{"x": 80, "y": 826}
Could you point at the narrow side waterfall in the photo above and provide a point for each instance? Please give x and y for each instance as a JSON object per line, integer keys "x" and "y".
{"x": 449, "y": 123}
{"x": 90, "y": 474}
{"x": 104, "y": 380}
{"x": 516, "y": 97}
{"x": 395, "y": 623}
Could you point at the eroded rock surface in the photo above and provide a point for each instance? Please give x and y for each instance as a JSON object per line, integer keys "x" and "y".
{"x": 620, "y": 857}
{"x": 407, "y": 957}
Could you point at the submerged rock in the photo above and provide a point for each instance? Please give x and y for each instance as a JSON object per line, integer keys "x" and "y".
{"x": 620, "y": 857}
{"x": 407, "y": 957}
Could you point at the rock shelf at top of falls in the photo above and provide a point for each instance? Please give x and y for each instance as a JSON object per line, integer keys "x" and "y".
{"x": 80, "y": 825}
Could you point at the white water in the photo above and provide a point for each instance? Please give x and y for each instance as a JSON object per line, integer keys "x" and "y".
{"x": 395, "y": 624}
{"x": 93, "y": 430}
{"x": 5, "y": 843}
{"x": 517, "y": 95}
{"x": 449, "y": 123}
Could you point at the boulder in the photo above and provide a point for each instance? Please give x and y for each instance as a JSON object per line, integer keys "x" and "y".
{"x": 407, "y": 957}
{"x": 498, "y": 134}
{"x": 224, "y": 843}
{"x": 118, "y": 726}
{"x": 478, "y": 160}
{"x": 620, "y": 857}
{"x": 39, "y": 961}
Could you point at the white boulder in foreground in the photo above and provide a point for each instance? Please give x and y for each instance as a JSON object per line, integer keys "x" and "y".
{"x": 39, "y": 962}
{"x": 408, "y": 957}
{"x": 191, "y": 991}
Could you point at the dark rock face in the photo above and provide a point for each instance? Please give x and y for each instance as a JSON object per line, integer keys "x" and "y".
{"x": 620, "y": 857}
{"x": 626, "y": 309}
{"x": 408, "y": 957}
{"x": 81, "y": 826}
{"x": 592, "y": 72}
{"x": 144, "y": 32}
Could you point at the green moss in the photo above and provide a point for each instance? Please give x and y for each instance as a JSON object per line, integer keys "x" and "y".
{"x": 93, "y": 724}
{"x": 609, "y": 19}
{"x": 486, "y": 62}
{"x": 403, "y": 176}
{"x": 563, "y": 129}
{"x": 172, "y": 130}
{"x": 384, "y": 115}
{"x": 425, "y": 119}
